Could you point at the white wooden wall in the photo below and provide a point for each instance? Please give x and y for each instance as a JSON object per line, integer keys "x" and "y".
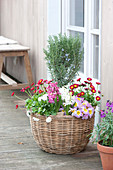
{"x": 107, "y": 51}
{"x": 26, "y": 22}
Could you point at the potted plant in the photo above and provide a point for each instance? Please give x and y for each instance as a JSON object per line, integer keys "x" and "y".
{"x": 103, "y": 135}
{"x": 64, "y": 56}
{"x": 62, "y": 118}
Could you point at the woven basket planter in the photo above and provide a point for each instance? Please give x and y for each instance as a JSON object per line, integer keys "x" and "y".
{"x": 63, "y": 135}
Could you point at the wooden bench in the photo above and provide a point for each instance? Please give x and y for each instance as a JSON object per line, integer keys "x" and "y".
{"x": 11, "y": 48}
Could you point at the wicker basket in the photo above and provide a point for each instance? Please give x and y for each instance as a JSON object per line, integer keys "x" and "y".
{"x": 63, "y": 135}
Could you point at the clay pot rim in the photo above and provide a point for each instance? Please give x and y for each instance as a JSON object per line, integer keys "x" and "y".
{"x": 105, "y": 149}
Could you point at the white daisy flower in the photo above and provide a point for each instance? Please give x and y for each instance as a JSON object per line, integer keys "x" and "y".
{"x": 49, "y": 119}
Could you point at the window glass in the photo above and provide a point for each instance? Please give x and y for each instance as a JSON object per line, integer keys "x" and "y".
{"x": 96, "y": 15}
{"x": 95, "y": 56}
{"x": 77, "y": 13}
{"x": 75, "y": 33}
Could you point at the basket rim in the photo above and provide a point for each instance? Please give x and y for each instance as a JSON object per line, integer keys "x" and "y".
{"x": 69, "y": 117}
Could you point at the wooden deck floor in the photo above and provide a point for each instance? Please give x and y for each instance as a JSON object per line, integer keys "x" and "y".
{"x": 18, "y": 150}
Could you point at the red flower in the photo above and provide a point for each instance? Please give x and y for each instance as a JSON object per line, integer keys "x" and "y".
{"x": 92, "y": 86}
{"x": 93, "y": 90}
{"x": 87, "y": 82}
{"x": 45, "y": 81}
{"x": 37, "y": 87}
{"x": 72, "y": 87}
{"x": 27, "y": 87}
{"x": 34, "y": 91}
{"x": 99, "y": 91}
{"x": 72, "y": 92}
{"x": 98, "y": 83}
{"x": 49, "y": 82}
{"x": 82, "y": 93}
{"x": 16, "y": 106}
{"x": 32, "y": 84}
{"x": 12, "y": 94}
{"x": 22, "y": 90}
{"x": 78, "y": 79}
{"x": 83, "y": 84}
{"x": 98, "y": 98}
{"x": 75, "y": 85}
{"x": 32, "y": 88}
{"x": 86, "y": 88}
{"x": 40, "y": 91}
{"x": 78, "y": 95}
{"x": 40, "y": 82}
{"x": 89, "y": 79}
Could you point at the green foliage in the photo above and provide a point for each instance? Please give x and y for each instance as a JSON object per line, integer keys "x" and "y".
{"x": 103, "y": 132}
{"x": 64, "y": 57}
{"x": 43, "y": 107}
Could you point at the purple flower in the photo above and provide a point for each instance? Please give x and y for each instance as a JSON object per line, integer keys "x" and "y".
{"x": 77, "y": 104}
{"x": 85, "y": 116}
{"x": 85, "y": 111}
{"x": 62, "y": 49}
{"x": 79, "y": 99}
{"x": 102, "y": 113}
{"x": 77, "y": 113}
{"x": 111, "y": 105}
{"x": 91, "y": 111}
{"x": 86, "y": 104}
{"x": 108, "y": 104}
{"x": 66, "y": 55}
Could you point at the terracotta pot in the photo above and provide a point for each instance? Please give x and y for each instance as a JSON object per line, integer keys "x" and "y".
{"x": 106, "y": 154}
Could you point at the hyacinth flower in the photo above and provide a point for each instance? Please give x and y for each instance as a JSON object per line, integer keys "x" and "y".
{"x": 53, "y": 92}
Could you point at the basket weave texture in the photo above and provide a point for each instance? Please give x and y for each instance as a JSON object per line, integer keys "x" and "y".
{"x": 63, "y": 135}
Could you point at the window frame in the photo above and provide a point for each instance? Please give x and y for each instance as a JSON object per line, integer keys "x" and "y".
{"x": 88, "y": 31}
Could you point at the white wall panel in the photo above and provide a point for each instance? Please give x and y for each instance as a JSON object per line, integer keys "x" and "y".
{"x": 107, "y": 50}
{"x": 26, "y": 22}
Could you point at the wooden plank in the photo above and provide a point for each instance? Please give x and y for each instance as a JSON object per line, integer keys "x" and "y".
{"x": 28, "y": 68}
{"x": 20, "y": 102}
{"x": 14, "y": 86}
{"x": 85, "y": 154}
{"x": 7, "y": 79}
{"x": 1, "y": 64}
{"x": 13, "y": 47}
{"x": 13, "y": 54}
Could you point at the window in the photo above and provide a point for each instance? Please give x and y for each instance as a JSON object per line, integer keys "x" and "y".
{"x": 83, "y": 17}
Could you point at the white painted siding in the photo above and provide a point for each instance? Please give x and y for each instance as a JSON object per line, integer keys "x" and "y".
{"x": 107, "y": 51}
{"x": 26, "y": 22}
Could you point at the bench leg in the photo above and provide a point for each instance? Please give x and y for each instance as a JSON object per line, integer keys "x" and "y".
{"x": 1, "y": 64}
{"x": 28, "y": 68}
